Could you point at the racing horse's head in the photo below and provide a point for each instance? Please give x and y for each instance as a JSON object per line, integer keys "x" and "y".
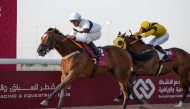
{"x": 49, "y": 41}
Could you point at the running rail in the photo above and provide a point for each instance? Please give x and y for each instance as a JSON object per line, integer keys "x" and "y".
{"x": 30, "y": 61}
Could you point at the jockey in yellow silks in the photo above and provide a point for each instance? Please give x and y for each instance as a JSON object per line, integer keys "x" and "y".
{"x": 157, "y": 30}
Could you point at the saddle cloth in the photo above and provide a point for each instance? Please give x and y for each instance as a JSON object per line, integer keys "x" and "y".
{"x": 169, "y": 52}
{"x": 102, "y": 59}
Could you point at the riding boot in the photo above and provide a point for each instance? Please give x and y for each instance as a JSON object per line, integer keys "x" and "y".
{"x": 95, "y": 49}
{"x": 159, "y": 48}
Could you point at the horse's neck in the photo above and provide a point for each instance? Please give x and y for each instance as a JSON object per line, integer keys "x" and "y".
{"x": 139, "y": 47}
{"x": 66, "y": 47}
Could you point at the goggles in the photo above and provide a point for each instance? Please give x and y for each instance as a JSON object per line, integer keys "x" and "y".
{"x": 73, "y": 21}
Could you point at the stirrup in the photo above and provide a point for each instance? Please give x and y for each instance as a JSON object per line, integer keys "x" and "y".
{"x": 166, "y": 58}
{"x": 98, "y": 54}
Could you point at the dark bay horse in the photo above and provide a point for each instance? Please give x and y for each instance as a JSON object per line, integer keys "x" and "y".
{"x": 77, "y": 63}
{"x": 146, "y": 62}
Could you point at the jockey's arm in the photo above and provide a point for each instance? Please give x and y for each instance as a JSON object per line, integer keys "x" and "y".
{"x": 136, "y": 34}
{"x": 148, "y": 33}
{"x": 73, "y": 33}
{"x": 82, "y": 37}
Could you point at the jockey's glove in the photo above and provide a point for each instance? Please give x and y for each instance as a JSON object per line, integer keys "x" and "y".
{"x": 136, "y": 37}
{"x": 132, "y": 36}
{"x": 139, "y": 37}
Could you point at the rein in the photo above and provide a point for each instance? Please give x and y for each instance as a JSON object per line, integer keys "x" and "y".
{"x": 134, "y": 41}
{"x": 129, "y": 43}
{"x": 77, "y": 44}
{"x": 137, "y": 35}
{"x": 73, "y": 53}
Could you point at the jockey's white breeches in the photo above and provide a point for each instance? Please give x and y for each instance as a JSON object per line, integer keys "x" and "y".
{"x": 88, "y": 37}
{"x": 160, "y": 40}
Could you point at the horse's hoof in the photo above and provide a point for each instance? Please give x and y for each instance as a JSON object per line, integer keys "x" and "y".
{"x": 116, "y": 100}
{"x": 45, "y": 103}
{"x": 177, "y": 106}
{"x": 141, "y": 101}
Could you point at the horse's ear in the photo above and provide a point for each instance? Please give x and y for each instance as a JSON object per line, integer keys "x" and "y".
{"x": 124, "y": 34}
{"x": 50, "y": 29}
{"x": 119, "y": 33}
{"x": 53, "y": 29}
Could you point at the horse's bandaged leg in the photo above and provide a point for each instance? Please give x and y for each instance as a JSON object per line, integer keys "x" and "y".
{"x": 179, "y": 105}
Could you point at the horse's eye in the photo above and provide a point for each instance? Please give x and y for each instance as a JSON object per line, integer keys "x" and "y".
{"x": 120, "y": 43}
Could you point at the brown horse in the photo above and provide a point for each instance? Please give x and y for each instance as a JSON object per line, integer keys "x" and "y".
{"x": 77, "y": 63}
{"x": 146, "y": 62}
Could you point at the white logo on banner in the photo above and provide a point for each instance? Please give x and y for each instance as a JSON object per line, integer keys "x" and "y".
{"x": 145, "y": 91}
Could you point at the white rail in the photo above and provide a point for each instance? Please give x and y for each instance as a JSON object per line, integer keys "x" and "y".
{"x": 30, "y": 61}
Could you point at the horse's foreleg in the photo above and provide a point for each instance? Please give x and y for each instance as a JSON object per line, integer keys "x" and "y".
{"x": 126, "y": 99}
{"x": 183, "y": 97}
{"x": 185, "y": 92}
{"x": 124, "y": 86}
{"x": 62, "y": 96}
{"x": 183, "y": 72}
{"x": 65, "y": 82}
{"x": 63, "y": 92}
{"x": 131, "y": 79}
{"x": 58, "y": 88}
{"x": 126, "y": 96}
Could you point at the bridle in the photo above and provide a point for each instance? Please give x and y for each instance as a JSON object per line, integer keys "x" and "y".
{"x": 51, "y": 46}
{"x": 47, "y": 48}
{"x": 128, "y": 43}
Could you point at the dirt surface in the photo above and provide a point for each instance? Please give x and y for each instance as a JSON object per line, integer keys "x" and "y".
{"x": 150, "y": 106}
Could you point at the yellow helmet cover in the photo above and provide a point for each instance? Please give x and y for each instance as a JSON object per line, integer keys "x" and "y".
{"x": 145, "y": 25}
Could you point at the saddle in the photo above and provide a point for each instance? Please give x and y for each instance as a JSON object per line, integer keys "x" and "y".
{"x": 102, "y": 59}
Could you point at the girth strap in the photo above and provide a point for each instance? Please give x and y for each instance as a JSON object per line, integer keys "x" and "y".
{"x": 159, "y": 68}
{"x": 94, "y": 68}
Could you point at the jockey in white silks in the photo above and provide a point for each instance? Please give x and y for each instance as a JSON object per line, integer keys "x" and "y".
{"x": 89, "y": 30}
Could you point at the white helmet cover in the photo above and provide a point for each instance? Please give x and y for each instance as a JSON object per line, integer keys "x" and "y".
{"x": 75, "y": 16}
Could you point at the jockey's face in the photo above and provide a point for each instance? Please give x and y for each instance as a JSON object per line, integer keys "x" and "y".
{"x": 144, "y": 30}
{"x": 75, "y": 22}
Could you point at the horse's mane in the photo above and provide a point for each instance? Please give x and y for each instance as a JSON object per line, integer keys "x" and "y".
{"x": 141, "y": 40}
{"x": 56, "y": 31}
{"x": 143, "y": 56}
